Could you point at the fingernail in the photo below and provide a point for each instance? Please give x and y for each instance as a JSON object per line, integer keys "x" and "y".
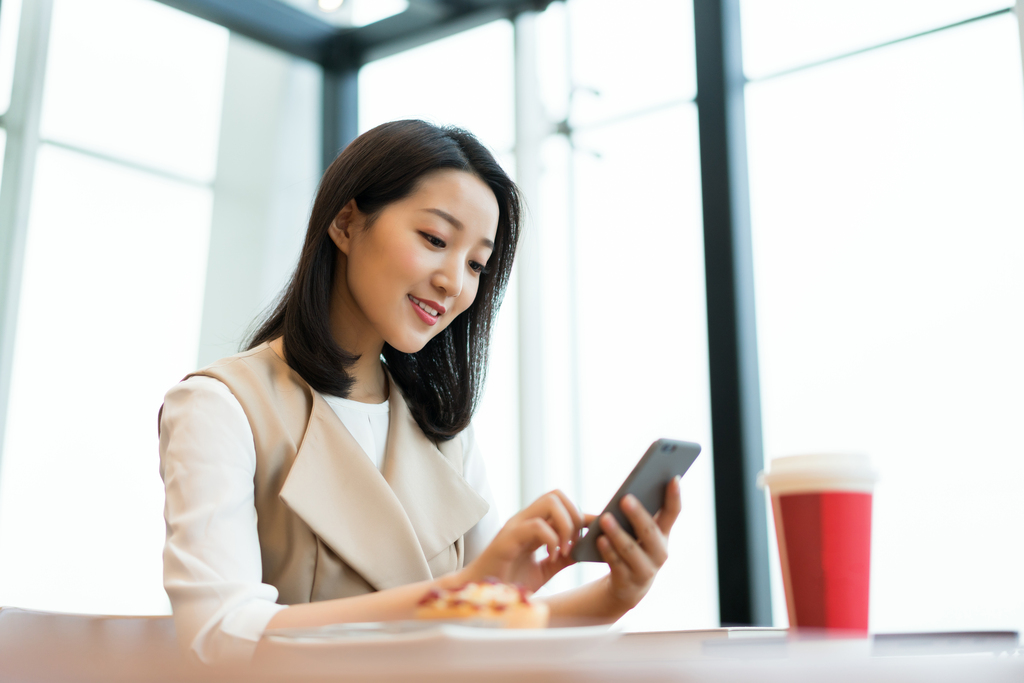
{"x": 607, "y": 520}
{"x": 629, "y": 502}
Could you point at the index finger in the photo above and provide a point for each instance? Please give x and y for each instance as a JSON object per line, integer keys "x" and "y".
{"x": 668, "y": 513}
{"x": 577, "y": 516}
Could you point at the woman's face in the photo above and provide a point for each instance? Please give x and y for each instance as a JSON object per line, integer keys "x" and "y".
{"x": 418, "y": 266}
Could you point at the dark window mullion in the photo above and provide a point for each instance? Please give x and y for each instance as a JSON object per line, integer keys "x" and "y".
{"x": 743, "y": 581}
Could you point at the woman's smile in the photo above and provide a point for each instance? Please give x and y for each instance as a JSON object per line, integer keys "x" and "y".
{"x": 428, "y": 311}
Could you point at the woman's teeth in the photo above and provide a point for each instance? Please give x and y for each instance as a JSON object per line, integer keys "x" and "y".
{"x": 425, "y": 307}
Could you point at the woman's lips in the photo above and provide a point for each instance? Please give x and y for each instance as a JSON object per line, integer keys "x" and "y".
{"x": 424, "y": 316}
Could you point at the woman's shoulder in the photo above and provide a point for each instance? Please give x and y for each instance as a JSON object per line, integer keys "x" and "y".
{"x": 199, "y": 387}
{"x": 202, "y": 410}
{"x": 261, "y": 370}
{"x": 260, "y": 354}
{"x": 211, "y": 383}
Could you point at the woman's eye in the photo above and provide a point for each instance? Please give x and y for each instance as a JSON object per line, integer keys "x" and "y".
{"x": 434, "y": 241}
{"x": 478, "y": 268}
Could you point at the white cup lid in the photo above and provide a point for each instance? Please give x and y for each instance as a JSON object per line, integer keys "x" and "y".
{"x": 819, "y": 472}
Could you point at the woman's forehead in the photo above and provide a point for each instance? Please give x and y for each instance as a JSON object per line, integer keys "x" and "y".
{"x": 459, "y": 198}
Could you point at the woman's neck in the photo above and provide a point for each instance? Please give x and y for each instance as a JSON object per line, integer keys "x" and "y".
{"x": 354, "y": 333}
{"x": 370, "y": 381}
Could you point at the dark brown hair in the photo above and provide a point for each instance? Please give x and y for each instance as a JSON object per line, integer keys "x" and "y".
{"x": 442, "y": 382}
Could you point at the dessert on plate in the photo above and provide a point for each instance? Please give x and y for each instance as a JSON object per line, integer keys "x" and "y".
{"x": 488, "y": 600}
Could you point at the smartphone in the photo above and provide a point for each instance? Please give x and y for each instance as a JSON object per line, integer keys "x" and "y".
{"x": 665, "y": 459}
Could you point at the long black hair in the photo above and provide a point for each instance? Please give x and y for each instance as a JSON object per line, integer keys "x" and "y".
{"x": 442, "y": 382}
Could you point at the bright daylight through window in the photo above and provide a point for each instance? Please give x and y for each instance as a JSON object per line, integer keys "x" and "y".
{"x": 885, "y": 193}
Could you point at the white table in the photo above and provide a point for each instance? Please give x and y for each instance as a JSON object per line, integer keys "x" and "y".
{"x": 36, "y": 646}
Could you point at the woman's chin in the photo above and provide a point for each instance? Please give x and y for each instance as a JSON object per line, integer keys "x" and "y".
{"x": 407, "y": 345}
{"x": 413, "y": 340}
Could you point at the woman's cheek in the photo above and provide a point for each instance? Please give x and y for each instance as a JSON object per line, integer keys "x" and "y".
{"x": 413, "y": 262}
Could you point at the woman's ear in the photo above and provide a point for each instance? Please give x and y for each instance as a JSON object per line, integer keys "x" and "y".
{"x": 344, "y": 226}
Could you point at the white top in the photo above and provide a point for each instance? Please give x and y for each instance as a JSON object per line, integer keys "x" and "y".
{"x": 213, "y": 571}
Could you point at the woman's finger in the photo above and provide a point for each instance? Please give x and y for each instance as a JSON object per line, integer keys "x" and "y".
{"x": 608, "y": 554}
{"x": 627, "y": 548}
{"x": 534, "y": 532}
{"x": 647, "y": 531}
{"x": 574, "y": 513}
{"x": 668, "y": 513}
{"x": 587, "y": 521}
{"x": 551, "y": 508}
{"x": 564, "y": 516}
{"x": 562, "y": 520}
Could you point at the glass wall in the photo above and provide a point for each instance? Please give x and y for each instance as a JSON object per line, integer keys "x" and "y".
{"x": 638, "y": 294}
{"x": 885, "y": 191}
{"x": 176, "y": 165}
{"x": 10, "y": 19}
{"x": 110, "y": 301}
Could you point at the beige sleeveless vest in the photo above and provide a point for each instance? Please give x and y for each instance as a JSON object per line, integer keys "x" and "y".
{"x": 330, "y": 523}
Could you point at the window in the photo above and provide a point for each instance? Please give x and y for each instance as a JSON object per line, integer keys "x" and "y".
{"x": 10, "y": 19}
{"x": 110, "y": 301}
{"x": 171, "y": 190}
{"x": 638, "y": 290}
{"x": 887, "y": 247}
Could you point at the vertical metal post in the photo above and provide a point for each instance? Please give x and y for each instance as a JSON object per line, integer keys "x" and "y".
{"x": 340, "y": 108}
{"x": 743, "y": 580}
{"x": 530, "y": 126}
{"x": 1019, "y": 11}
{"x": 22, "y": 124}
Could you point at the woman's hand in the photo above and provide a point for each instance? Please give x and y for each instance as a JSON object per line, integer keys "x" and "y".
{"x": 553, "y": 521}
{"x": 635, "y": 562}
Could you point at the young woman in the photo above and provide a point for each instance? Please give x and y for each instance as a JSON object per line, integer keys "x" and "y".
{"x": 329, "y": 473}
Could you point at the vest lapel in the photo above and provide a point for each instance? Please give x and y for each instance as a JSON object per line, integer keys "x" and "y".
{"x": 336, "y": 490}
{"x": 440, "y": 504}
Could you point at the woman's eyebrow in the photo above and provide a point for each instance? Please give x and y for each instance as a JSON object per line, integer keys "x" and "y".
{"x": 457, "y": 224}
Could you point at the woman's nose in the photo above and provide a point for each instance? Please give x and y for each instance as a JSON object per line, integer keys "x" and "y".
{"x": 449, "y": 278}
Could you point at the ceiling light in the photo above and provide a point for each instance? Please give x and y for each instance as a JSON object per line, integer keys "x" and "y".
{"x": 346, "y": 14}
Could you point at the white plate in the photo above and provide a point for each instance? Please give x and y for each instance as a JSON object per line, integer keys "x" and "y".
{"x": 420, "y": 645}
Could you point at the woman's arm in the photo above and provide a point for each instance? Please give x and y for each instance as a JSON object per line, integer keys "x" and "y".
{"x": 550, "y": 521}
{"x": 386, "y": 605}
{"x": 212, "y": 564}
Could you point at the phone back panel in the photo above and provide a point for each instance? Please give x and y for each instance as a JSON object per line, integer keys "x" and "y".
{"x": 666, "y": 458}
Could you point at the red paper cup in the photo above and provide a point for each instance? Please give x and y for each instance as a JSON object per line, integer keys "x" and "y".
{"x": 822, "y": 509}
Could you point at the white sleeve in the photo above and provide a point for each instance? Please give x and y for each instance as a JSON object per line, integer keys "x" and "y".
{"x": 480, "y": 536}
{"x": 213, "y": 571}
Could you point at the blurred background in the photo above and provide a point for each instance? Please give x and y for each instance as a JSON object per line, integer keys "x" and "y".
{"x": 159, "y": 168}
